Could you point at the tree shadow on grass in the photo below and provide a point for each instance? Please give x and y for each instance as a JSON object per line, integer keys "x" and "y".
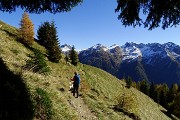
{"x": 15, "y": 99}
{"x": 10, "y": 33}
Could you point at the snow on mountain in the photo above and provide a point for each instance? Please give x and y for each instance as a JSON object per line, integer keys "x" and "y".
{"x": 158, "y": 63}
{"x": 132, "y": 51}
{"x": 99, "y": 47}
{"x": 113, "y": 46}
{"x": 66, "y": 48}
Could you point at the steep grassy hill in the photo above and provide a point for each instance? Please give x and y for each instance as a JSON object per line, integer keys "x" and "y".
{"x": 100, "y": 91}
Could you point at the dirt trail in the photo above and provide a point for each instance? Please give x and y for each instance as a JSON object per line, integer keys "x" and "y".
{"x": 84, "y": 113}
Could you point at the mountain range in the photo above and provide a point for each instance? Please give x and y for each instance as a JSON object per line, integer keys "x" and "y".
{"x": 154, "y": 62}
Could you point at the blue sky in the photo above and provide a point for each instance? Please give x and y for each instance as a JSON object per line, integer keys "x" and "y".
{"x": 92, "y": 22}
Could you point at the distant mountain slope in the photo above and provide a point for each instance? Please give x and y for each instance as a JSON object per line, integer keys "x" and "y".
{"x": 99, "y": 89}
{"x": 158, "y": 63}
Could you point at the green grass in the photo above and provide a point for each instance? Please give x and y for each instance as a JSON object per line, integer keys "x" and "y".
{"x": 100, "y": 90}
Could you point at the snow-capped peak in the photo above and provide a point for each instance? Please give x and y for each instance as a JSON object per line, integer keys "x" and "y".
{"x": 66, "y": 48}
{"x": 98, "y": 47}
{"x": 113, "y": 46}
{"x": 131, "y": 52}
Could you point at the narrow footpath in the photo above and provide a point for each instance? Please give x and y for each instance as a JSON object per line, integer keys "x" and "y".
{"x": 84, "y": 113}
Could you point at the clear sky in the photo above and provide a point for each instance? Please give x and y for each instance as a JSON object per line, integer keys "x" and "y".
{"x": 93, "y": 22}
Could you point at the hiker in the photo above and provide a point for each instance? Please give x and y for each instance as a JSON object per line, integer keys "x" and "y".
{"x": 76, "y": 83}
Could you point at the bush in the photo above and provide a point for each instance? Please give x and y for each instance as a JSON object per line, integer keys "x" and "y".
{"x": 126, "y": 102}
{"x": 38, "y": 63}
{"x": 43, "y": 105}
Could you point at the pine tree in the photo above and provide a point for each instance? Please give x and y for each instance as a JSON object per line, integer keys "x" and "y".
{"x": 129, "y": 82}
{"x": 47, "y": 36}
{"x": 152, "y": 91}
{"x": 73, "y": 56}
{"x": 26, "y": 32}
{"x": 156, "y": 95}
{"x": 163, "y": 95}
{"x": 144, "y": 87}
{"x": 175, "y": 106}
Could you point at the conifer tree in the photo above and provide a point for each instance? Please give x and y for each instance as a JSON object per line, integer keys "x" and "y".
{"x": 47, "y": 36}
{"x": 39, "y": 6}
{"x": 144, "y": 87}
{"x": 73, "y": 56}
{"x": 175, "y": 106}
{"x": 163, "y": 95}
{"x": 156, "y": 95}
{"x": 26, "y": 32}
{"x": 129, "y": 82}
{"x": 152, "y": 91}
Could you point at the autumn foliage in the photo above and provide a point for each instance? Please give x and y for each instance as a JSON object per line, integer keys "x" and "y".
{"x": 26, "y": 32}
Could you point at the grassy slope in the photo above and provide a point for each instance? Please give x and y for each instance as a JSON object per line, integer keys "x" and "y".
{"x": 98, "y": 88}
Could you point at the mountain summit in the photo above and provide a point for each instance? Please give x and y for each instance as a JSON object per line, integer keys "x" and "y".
{"x": 158, "y": 63}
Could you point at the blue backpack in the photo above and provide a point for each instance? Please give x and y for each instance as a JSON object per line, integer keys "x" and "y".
{"x": 77, "y": 79}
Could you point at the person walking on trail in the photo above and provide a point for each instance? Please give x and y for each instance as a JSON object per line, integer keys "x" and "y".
{"x": 76, "y": 83}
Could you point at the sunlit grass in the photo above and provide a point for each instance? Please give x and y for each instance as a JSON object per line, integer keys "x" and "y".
{"x": 98, "y": 89}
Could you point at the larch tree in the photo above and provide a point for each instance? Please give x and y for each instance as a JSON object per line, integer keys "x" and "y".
{"x": 26, "y": 31}
{"x": 172, "y": 92}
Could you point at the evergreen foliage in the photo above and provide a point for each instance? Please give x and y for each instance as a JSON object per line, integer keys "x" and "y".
{"x": 39, "y": 6}
{"x": 144, "y": 87}
{"x": 47, "y": 36}
{"x": 26, "y": 32}
{"x": 73, "y": 56}
{"x": 163, "y": 91}
{"x": 175, "y": 106}
{"x": 38, "y": 63}
{"x": 156, "y": 96}
{"x": 43, "y": 105}
{"x": 157, "y": 12}
{"x": 163, "y": 99}
{"x": 129, "y": 82}
{"x": 152, "y": 93}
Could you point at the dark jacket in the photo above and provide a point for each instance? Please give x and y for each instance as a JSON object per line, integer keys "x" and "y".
{"x": 76, "y": 79}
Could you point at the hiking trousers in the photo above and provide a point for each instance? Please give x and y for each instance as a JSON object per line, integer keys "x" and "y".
{"x": 76, "y": 90}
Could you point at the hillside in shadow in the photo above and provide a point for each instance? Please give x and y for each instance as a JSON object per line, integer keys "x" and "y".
{"x": 15, "y": 102}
